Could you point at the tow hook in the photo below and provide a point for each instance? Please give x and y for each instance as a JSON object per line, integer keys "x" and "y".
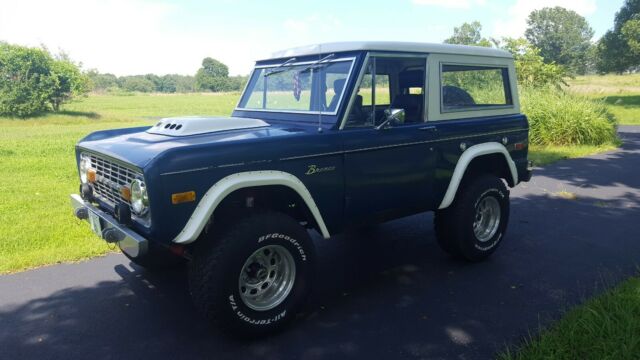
{"x": 82, "y": 213}
{"x": 112, "y": 235}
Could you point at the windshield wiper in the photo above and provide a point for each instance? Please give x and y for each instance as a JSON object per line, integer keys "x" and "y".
{"x": 277, "y": 69}
{"x": 317, "y": 63}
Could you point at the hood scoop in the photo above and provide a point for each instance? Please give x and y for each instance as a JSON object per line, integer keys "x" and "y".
{"x": 194, "y": 125}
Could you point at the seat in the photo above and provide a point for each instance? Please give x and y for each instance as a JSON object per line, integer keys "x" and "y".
{"x": 357, "y": 115}
{"x": 453, "y": 96}
{"x": 412, "y": 105}
{"x": 338, "y": 88}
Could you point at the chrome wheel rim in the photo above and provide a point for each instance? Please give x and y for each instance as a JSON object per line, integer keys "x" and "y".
{"x": 267, "y": 277}
{"x": 487, "y": 219}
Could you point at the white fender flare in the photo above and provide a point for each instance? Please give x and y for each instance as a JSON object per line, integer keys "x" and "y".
{"x": 214, "y": 196}
{"x": 464, "y": 161}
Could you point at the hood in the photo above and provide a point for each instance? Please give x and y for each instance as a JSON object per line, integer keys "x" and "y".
{"x": 138, "y": 146}
{"x": 194, "y": 125}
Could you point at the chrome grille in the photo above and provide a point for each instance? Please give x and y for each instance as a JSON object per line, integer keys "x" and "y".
{"x": 110, "y": 178}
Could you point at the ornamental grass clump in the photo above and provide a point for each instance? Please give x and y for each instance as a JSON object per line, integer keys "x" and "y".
{"x": 557, "y": 117}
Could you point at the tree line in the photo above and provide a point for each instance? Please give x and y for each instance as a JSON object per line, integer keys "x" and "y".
{"x": 563, "y": 39}
{"x": 212, "y": 76}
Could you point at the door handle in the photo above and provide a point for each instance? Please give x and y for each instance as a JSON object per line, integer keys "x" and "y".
{"x": 428, "y": 128}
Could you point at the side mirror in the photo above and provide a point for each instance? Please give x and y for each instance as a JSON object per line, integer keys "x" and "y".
{"x": 392, "y": 116}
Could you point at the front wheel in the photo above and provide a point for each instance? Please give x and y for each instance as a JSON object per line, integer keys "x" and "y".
{"x": 252, "y": 278}
{"x": 474, "y": 225}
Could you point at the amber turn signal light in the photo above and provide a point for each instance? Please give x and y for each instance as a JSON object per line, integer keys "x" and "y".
{"x": 125, "y": 192}
{"x": 183, "y": 197}
{"x": 91, "y": 175}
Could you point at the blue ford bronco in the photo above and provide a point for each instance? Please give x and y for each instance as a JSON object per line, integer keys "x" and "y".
{"x": 324, "y": 138}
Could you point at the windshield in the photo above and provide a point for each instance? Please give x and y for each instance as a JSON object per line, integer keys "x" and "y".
{"x": 310, "y": 87}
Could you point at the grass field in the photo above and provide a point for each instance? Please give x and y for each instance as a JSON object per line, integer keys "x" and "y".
{"x": 620, "y": 92}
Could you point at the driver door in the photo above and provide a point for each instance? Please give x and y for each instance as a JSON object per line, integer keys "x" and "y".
{"x": 389, "y": 171}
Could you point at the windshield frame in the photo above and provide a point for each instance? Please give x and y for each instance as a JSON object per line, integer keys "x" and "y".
{"x": 280, "y": 65}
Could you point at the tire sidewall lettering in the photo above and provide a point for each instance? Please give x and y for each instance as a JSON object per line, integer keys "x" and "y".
{"x": 246, "y": 318}
{"x": 289, "y": 239}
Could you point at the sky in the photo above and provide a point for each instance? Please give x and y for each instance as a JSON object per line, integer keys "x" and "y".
{"x": 127, "y": 37}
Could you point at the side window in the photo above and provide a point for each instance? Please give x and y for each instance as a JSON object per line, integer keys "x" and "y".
{"x": 468, "y": 87}
{"x": 382, "y": 89}
{"x": 389, "y": 83}
{"x": 335, "y": 78}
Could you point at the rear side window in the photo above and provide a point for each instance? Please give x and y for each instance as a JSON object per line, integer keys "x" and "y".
{"x": 470, "y": 87}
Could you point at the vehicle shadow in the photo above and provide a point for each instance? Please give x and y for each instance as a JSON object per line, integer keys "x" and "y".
{"x": 382, "y": 292}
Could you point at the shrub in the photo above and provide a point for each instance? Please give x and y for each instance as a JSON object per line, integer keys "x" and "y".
{"x": 557, "y": 117}
{"x": 26, "y": 82}
{"x": 32, "y": 81}
{"x": 69, "y": 83}
{"x": 531, "y": 69}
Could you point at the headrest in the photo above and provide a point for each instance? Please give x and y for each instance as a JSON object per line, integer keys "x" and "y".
{"x": 338, "y": 85}
{"x": 411, "y": 78}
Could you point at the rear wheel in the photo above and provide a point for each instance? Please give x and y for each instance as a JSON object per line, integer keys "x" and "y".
{"x": 474, "y": 225}
{"x": 253, "y": 277}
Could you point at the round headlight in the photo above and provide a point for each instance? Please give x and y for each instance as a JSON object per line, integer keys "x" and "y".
{"x": 139, "y": 199}
{"x": 85, "y": 165}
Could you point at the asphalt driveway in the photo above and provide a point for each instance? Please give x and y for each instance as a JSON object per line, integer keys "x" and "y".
{"x": 384, "y": 293}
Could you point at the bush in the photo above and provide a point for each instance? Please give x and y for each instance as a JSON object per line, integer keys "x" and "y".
{"x": 69, "y": 83}
{"x": 32, "y": 81}
{"x": 557, "y": 117}
{"x": 26, "y": 82}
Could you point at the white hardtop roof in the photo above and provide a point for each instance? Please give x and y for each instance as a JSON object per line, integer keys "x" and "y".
{"x": 396, "y": 46}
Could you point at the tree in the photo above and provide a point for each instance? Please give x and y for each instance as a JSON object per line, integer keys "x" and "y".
{"x": 212, "y": 76}
{"x": 563, "y": 36}
{"x": 618, "y": 48}
{"x": 468, "y": 34}
{"x": 137, "y": 83}
{"x": 631, "y": 33}
{"x": 69, "y": 82}
{"x": 25, "y": 80}
{"x": 531, "y": 68}
{"x": 101, "y": 82}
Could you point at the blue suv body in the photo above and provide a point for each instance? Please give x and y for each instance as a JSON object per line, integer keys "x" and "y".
{"x": 324, "y": 137}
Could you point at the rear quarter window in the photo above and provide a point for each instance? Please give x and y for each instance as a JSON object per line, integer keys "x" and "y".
{"x": 471, "y": 87}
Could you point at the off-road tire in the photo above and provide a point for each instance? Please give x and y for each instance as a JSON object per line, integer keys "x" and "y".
{"x": 454, "y": 226}
{"x": 218, "y": 261}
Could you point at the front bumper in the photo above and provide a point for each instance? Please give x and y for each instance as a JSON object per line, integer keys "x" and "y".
{"x": 108, "y": 228}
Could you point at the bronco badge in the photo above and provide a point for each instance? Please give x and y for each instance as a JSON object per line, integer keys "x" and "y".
{"x": 314, "y": 169}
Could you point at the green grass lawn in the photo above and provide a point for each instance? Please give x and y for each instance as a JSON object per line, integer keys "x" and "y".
{"x": 620, "y": 92}
{"x": 605, "y": 327}
{"x": 544, "y": 155}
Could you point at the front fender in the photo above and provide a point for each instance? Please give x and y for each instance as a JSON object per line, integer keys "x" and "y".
{"x": 221, "y": 189}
